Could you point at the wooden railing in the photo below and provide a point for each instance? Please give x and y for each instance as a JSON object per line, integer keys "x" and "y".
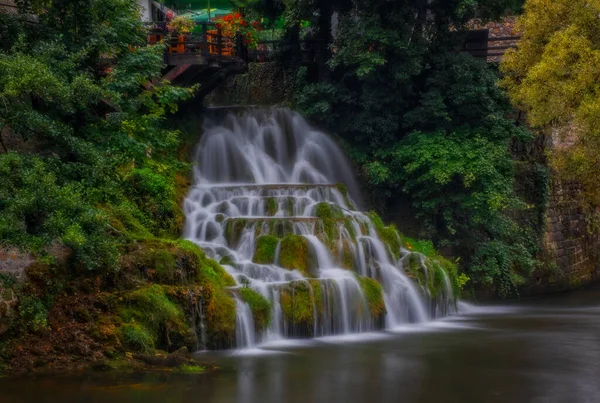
{"x": 209, "y": 42}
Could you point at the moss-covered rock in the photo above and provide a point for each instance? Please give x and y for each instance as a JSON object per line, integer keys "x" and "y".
{"x": 389, "y": 235}
{"x": 299, "y": 301}
{"x": 266, "y": 246}
{"x": 430, "y": 273}
{"x": 260, "y": 307}
{"x": 374, "y": 296}
{"x": 294, "y": 254}
{"x": 149, "y": 314}
{"x": 327, "y": 210}
{"x": 219, "y": 311}
{"x": 169, "y": 262}
{"x": 233, "y": 229}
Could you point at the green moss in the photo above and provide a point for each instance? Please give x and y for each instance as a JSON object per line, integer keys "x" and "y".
{"x": 226, "y": 260}
{"x": 190, "y": 369}
{"x": 348, "y": 223}
{"x": 424, "y": 247}
{"x": 272, "y": 206}
{"x": 127, "y": 219}
{"x": 234, "y": 228}
{"x": 294, "y": 253}
{"x": 344, "y": 191}
{"x": 297, "y": 304}
{"x": 172, "y": 262}
{"x": 261, "y": 308}
{"x": 266, "y": 246}
{"x": 208, "y": 269}
{"x": 137, "y": 338}
{"x": 389, "y": 235}
{"x": 150, "y": 308}
{"x": 219, "y": 310}
{"x": 327, "y": 210}
{"x": 330, "y": 216}
{"x": 374, "y": 296}
{"x": 347, "y": 257}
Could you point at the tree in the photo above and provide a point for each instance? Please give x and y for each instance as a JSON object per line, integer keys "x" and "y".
{"x": 554, "y": 77}
{"x": 103, "y": 160}
{"x": 424, "y": 121}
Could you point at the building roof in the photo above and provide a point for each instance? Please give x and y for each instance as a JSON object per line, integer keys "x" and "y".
{"x": 8, "y": 7}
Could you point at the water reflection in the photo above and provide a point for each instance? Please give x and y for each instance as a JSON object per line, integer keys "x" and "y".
{"x": 538, "y": 351}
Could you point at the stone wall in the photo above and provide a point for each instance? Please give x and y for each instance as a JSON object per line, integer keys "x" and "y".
{"x": 263, "y": 84}
{"x": 571, "y": 244}
{"x": 569, "y": 241}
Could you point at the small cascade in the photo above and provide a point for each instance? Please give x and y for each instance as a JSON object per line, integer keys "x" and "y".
{"x": 275, "y": 202}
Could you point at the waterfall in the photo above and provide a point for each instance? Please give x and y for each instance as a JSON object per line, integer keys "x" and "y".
{"x": 275, "y": 202}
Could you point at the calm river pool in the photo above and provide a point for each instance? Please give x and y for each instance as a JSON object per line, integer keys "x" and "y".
{"x": 542, "y": 350}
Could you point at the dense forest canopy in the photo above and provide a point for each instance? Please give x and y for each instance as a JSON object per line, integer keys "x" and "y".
{"x": 102, "y": 150}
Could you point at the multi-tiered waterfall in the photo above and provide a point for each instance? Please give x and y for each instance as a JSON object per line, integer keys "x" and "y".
{"x": 273, "y": 202}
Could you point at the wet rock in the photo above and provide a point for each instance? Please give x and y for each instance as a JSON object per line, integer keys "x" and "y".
{"x": 175, "y": 359}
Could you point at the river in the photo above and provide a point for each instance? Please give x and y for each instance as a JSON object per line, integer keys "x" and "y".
{"x": 539, "y": 350}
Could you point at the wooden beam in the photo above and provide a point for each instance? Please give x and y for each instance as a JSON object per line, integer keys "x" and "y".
{"x": 176, "y": 59}
{"x": 176, "y": 72}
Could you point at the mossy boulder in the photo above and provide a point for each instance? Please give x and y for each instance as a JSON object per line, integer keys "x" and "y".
{"x": 266, "y": 246}
{"x": 294, "y": 254}
{"x": 167, "y": 262}
{"x": 374, "y": 296}
{"x": 260, "y": 307}
{"x": 299, "y": 301}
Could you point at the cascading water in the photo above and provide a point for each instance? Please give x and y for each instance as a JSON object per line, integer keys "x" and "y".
{"x": 269, "y": 205}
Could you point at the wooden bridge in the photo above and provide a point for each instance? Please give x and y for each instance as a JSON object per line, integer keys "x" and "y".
{"x": 481, "y": 45}
{"x": 207, "y": 56}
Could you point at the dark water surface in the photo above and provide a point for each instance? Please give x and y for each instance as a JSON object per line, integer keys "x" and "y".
{"x": 545, "y": 350}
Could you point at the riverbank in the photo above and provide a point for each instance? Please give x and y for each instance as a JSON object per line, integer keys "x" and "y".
{"x": 541, "y": 349}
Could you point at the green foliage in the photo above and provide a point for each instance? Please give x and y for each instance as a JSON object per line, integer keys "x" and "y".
{"x": 151, "y": 306}
{"x": 260, "y": 307}
{"x": 33, "y": 313}
{"x": 100, "y": 163}
{"x": 425, "y": 121}
{"x": 553, "y": 77}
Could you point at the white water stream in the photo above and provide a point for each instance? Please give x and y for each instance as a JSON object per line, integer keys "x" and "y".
{"x": 265, "y": 172}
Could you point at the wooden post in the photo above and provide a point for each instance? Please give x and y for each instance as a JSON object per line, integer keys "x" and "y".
{"x": 204, "y": 41}
{"x": 219, "y": 41}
